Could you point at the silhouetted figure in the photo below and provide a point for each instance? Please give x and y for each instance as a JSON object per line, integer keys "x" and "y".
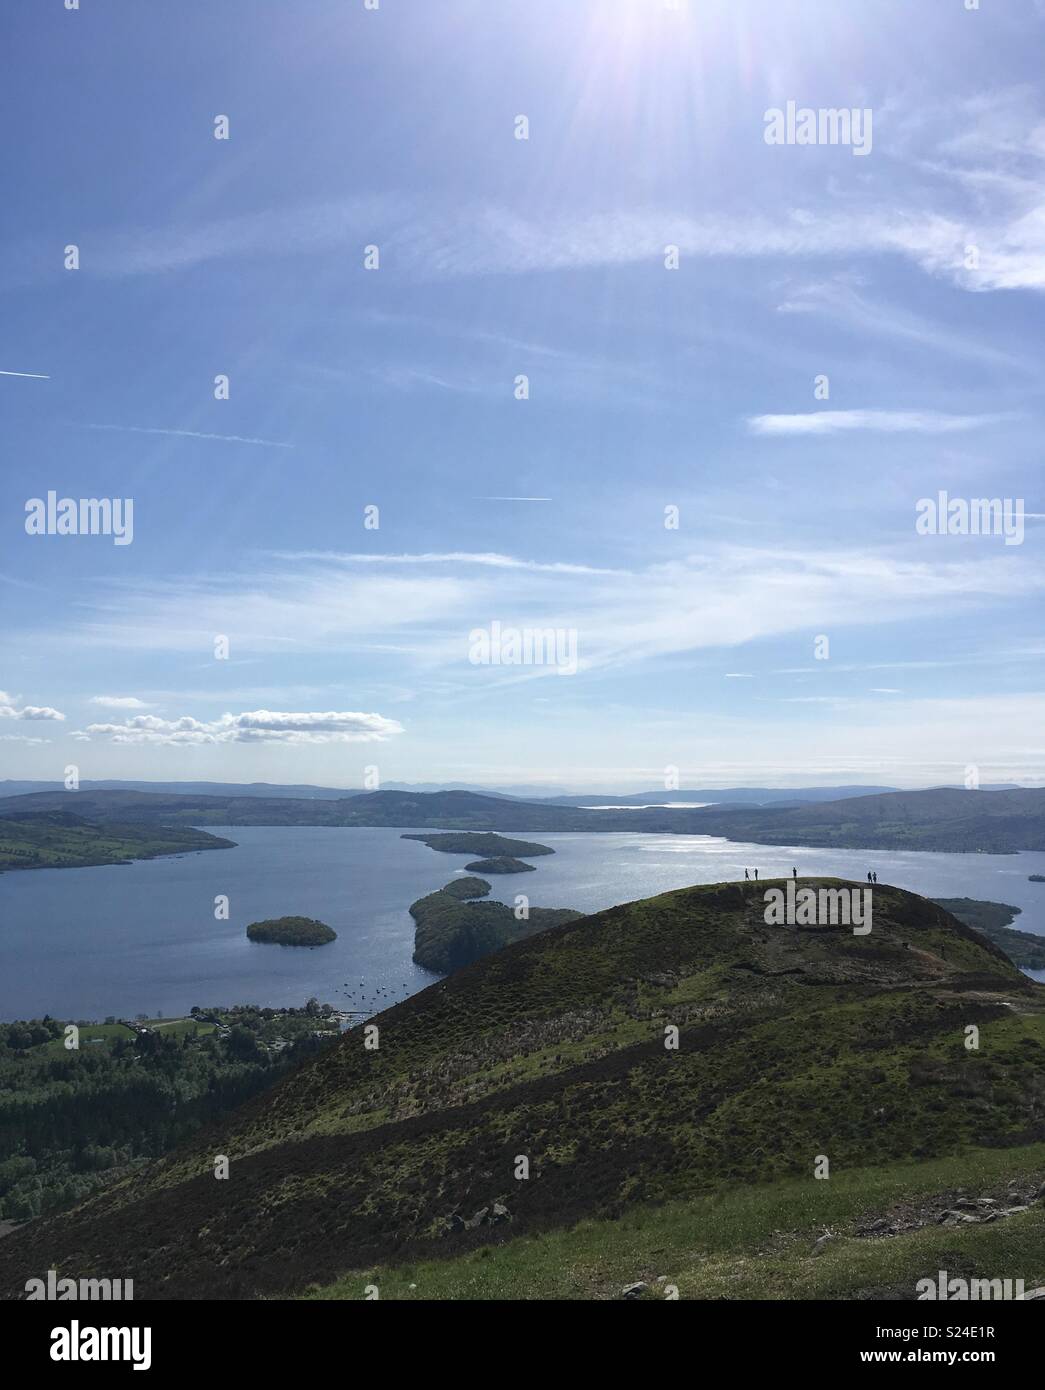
{"x": 874, "y": 877}
{"x": 756, "y": 875}
{"x": 869, "y": 878}
{"x": 794, "y": 873}
{"x": 746, "y": 874}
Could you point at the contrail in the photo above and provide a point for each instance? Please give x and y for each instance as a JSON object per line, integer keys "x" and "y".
{"x": 38, "y": 376}
{"x": 191, "y": 434}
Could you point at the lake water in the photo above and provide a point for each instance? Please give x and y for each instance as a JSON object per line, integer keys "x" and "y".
{"x": 142, "y": 938}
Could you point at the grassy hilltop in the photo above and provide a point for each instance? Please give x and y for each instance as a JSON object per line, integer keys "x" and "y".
{"x": 696, "y": 1165}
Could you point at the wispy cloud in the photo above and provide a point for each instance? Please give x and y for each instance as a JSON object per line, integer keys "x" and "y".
{"x": 190, "y": 434}
{"x": 935, "y": 224}
{"x": 119, "y": 702}
{"x": 487, "y": 559}
{"x": 876, "y": 421}
{"x": 839, "y": 300}
{"x": 421, "y": 608}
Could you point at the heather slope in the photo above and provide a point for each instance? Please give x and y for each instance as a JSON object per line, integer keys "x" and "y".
{"x": 792, "y": 1043}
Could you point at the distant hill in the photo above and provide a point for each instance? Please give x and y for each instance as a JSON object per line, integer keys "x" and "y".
{"x": 297, "y": 791}
{"x": 306, "y": 791}
{"x": 391, "y": 1164}
{"x": 754, "y": 796}
{"x": 944, "y": 818}
{"x": 301, "y": 792}
{"x": 61, "y": 840}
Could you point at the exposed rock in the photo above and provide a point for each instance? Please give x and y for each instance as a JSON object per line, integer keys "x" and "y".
{"x": 634, "y": 1290}
{"x": 955, "y": 1218}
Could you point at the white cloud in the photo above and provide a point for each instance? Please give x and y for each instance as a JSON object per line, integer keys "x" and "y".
{"x": 453, "y": 557}
{"x": 878, "y": 421}
{"x": 11, "y": 708}
{"x": 253, "y": 726}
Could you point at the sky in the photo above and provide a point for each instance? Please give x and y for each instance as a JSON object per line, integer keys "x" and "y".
{"x": 530, "y": 279}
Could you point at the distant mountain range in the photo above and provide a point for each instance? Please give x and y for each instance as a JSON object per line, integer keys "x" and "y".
{"x": 943, "y": 818}
{"x": 756, "y": 796}
{"x": 552, "y": 796}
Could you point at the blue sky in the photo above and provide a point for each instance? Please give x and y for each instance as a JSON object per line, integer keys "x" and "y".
{"x": 649, "y": 388}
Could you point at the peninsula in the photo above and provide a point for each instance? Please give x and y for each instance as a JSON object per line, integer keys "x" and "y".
{"x": 451, "y": 933}
{"x": 62, "y": 840}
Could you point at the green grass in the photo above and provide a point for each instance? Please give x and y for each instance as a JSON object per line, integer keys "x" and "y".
{"x": 89, "y": 1033}
{"x": 750, "y": 1243}
{"x": 92, "y": 1033}
{"x": 180, "y": 1026}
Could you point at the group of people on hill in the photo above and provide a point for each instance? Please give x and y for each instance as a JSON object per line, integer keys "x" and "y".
{"x": 872, "y": 877}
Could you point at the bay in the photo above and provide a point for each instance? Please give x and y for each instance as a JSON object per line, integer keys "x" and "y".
{"x": 143, "y": 938}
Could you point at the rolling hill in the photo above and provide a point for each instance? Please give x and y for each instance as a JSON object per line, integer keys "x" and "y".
{"x": 943, "y": 818}
{"x": 61, "y": 840}
{"x": 537, "y": 1089}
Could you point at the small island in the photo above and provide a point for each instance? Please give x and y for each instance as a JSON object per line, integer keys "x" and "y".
{"x": 1036, "y": 878}
{"x": 480, "y": 842}
{"x": 291, "y": 931}
{"x": 501, "y": 864}
{"x": 467, "y": 887}
{"x": 1025, "y": 949}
